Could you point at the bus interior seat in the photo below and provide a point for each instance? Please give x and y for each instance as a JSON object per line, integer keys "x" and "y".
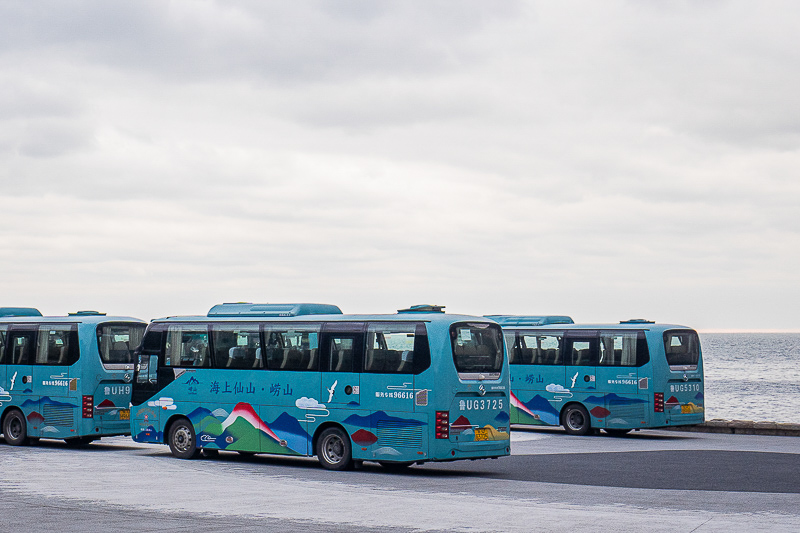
{"x": 236, "y": 357}
{"x": 293, "y": 359}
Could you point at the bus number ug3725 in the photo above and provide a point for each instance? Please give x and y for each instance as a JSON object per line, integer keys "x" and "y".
{"x": 477, "y": 405}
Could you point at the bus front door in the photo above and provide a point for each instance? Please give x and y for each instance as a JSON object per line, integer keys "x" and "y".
{"x": 340, "y": 376}
{"x": 19, "y": 373}
{"x": 580, "y": 357}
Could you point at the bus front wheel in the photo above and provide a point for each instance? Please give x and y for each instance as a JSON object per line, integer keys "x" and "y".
{"x": 15, "y": 429}
{"x": 182, "y": 440}
{"x": 576, "y": 420}
{"x": 334, "y": 451}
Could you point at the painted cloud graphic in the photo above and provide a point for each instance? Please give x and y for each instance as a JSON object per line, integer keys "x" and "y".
{"x": 556, "y": 388}
{"x": 164, "y": 403}
{"x": 309, "y": 403}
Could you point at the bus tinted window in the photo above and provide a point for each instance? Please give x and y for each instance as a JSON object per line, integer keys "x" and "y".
{"x": 3, "y": 344}
{"x": 623, "y": 348}
{"x": 292, "y": 349}
{"x": 390, "y": 348}
{"x": 117, "y": 342}
{"x": 477, "y": 348}
{"x": 682, "y": 348}
{"x": 237, "y": 346}
{"x": 186, "y": 345}
{"x": 581, "y": 352}
{"x": 57, "y": 345}
{"x": 21, "y": 347}
{"x": 341, "y": 354}
{"x": 540, "y": 349}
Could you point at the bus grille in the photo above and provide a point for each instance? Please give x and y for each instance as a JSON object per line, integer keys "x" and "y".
{"x": 627, "y": 412}
{"x": 58, "y": 415}
{"x": 399, "y": 434}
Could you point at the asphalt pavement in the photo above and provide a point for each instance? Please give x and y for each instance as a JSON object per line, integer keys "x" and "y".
{"x": 654, "y": 480}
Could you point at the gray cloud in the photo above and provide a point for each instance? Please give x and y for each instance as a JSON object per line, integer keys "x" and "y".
{"x": 629, "y": 159}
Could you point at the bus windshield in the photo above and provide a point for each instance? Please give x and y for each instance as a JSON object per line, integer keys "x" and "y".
{"x": 682, "y": 349}
{"x": 118, "y": 341}
{"x": 477, "y": 350}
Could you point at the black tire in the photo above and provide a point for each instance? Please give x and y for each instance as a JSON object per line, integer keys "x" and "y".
{"x": 576, "y": 420}
{"x": 15, "y": 428}
{"x": 182, "y": 439}
{"x": 78, "y": 442}
{"x": 334, "y": 450}
{"x": 395, "y": 466}
{"x": 617, "y": 432}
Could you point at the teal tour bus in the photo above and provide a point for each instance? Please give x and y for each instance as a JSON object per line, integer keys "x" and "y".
{"x": 305, "y": 380}
{"x": 616, "y": 377}
{"x": 66, "y": 377}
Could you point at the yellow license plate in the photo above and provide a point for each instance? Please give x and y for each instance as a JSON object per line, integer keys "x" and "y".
{"x": 482, "y": 434}
{"x": 124, "y": 414}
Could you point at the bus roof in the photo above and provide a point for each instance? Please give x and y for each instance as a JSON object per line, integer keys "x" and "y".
{"x": 272, "y": 310}
{"x": 72, "y": 318}
{"x": 539, "y": 320}
{"x": 624, "y": 325}
{"x": 19, "y": 311}
{"x": 436, "y": 317}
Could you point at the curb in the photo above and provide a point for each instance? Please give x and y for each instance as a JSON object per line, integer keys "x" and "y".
{"x": 742, "y": 427}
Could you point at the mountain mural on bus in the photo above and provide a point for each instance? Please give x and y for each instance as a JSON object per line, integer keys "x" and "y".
{"x": 537, "y": 411}
{"x": 244, "y": 430}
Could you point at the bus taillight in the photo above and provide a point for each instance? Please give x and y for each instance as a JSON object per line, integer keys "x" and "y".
{"x": 658, "y": 402}
{"x": 88, "y": 407}
{"x": 442, "y": 424}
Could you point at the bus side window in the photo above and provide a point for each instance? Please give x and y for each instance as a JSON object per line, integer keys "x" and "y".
{"x": 513, "y": 348}
{"x": 20, "y": 348}
{"x": 618, "y": 348}
{"x": 236, "y": 346}
{"x": 3, "y": 344}
{"x": 390, "y": 348}
{"x": 581, "y": 351}
{"x": 293, "y": 349}
{"x": 57, "y": 345}
{"x": 186, "y": 346}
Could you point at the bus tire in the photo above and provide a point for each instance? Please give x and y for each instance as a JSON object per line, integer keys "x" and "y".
{"x": 576, "y": 420}
{"x": 617, "y": 432}
{"x": 15, "y": 429}
{"x": 334, "y": 451}
{"x": 182, "y": 439}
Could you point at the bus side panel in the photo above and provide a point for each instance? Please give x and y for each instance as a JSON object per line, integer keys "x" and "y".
{"x": 397, "y": 431}
{"x": 292, "y": 407}
{"x": 623, "y": 407}
{"x": 59, "y": 400}
{"x": 537, "y": 394}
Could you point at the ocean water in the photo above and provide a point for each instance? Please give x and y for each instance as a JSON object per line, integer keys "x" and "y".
{"x": 752, "y": 376}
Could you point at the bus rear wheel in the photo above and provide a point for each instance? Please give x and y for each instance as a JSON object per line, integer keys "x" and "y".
{"x": 15, "y": 429}
{"x": 576, "y": 420}
{"x": 182, "y": 440}
{"x": 334, "y": 451}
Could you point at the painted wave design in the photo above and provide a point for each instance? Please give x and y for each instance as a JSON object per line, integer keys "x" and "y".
{"x": 538, "y": 409}
{"x": 46, "y": 400}
{"x": 371, "y": 420}
{"x": 612, "y": 399}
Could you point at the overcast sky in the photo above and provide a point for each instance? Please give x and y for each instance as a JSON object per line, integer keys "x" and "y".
{"x": 605, "y": 160}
